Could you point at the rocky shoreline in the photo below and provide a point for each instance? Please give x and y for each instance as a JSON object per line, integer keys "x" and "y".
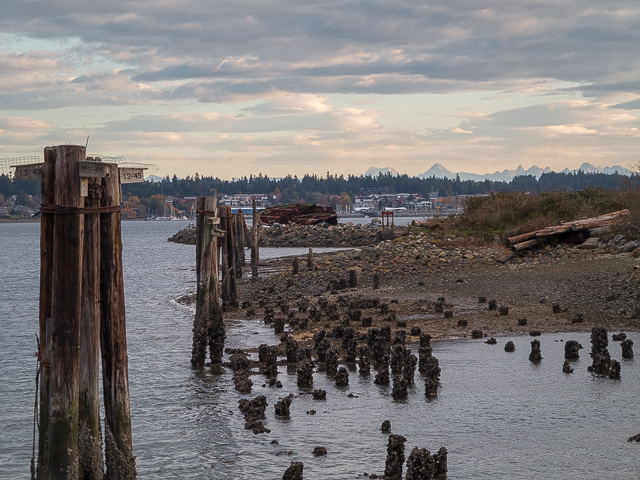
{"x": 446, "y": 288}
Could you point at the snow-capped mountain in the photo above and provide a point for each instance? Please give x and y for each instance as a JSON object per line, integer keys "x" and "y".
{"x": 153, "y": 178}
{"x": 375, "y": 171}
{"x": 439, "y": 171}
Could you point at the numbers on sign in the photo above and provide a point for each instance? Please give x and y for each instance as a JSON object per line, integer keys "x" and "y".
{"x": 28, "y": 172}
{"x": 131, "y": 175}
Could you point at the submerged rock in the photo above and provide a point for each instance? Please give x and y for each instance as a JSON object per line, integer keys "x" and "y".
{"x": 294, "y": 472}
{"x": 566, "y": 367}
{"x": 399, "y": 387}
{"x": 627, "y": 349}
{"x": 421, "y": 465}
{"x": 572, "y": 350}
{"x": 271, "y": 365}
{"x": 431, "y": 375}
{"x": 619, "y": 337}
{"x": 319, "y": 451}
{"x": 509, "y": 347}
{"x": 305, "y": 373}
{"x": 282, "y": 406}
{"x": 319, "y": 394}
{"x": 602, "y": 363}
{"x": 292, "y": 350}
{"x": 535, "y": 356}
{"x": 331, "y": 361}
{"x": 385, "y": 427}
{"x": 342, "y": 377}
{"x": 253, "y": 411}
{"x": 382, "y": 377}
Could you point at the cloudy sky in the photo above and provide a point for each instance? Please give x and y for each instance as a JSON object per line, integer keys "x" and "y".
{"x": 230, "y": 88}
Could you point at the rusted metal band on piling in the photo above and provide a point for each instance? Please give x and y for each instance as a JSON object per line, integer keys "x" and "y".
{"x": 64, "y": 210}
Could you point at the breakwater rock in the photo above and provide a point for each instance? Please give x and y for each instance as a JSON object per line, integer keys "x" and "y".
{"x": 341, "y": 235}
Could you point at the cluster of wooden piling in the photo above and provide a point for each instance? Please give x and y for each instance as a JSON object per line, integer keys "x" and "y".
{"x": 221, "y": 237}
{"x": 82, "y": 319}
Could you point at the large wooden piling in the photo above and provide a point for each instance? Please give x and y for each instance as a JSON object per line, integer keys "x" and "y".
{"x": 230, "y": 233}
{"x": 310, "y": 259}
{"x": 224, "y": 258}
{"x": 81, "y": 281}
{"x": 246, "y": 238}
{"x": 217, "y": 332}
{"x": 120, "y": 461}
{"x": 238, "y": 243}
{"x": 208, "y": 326}
{"x": 241, "y": 260}
{"x": 46, "y": 267}
{"x": 255, "y": 247}
{"x": 62, "y": 451}
{"x": 89, "y": 436}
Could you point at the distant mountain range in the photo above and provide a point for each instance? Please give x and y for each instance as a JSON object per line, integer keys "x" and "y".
{"x": 439, "y": 171}
{"x": 375, "y": 171}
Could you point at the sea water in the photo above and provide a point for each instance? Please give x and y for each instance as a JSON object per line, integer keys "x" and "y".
{"x": 498, "y": 415}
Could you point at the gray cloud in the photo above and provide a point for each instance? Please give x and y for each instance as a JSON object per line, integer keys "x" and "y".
{"x": 338, "y": 47}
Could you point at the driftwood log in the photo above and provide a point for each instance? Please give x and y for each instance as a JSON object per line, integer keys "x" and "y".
{"x": 531, "y": 239}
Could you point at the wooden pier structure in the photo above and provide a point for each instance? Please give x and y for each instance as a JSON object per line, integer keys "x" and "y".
{"x": 82, "y": 319}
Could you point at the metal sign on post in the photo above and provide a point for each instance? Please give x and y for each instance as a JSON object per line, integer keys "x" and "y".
{"x": 91, "y": 169}
{"x": 132, "y": 175}
{"x": 27, "y": 172}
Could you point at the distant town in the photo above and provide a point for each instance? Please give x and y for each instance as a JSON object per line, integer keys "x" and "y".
{"x": 377, "y": 191}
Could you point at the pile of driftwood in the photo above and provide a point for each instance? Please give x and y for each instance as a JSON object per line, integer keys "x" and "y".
{"x": 531, "y": 239}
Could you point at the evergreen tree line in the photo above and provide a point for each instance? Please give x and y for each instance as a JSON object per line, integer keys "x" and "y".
{"x": 311, "y": 187}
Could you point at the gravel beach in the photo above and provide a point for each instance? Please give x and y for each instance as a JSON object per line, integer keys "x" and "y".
{"x": 560, "y": 288}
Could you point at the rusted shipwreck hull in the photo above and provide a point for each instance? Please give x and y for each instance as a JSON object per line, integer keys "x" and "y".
{"x": 299, "y": 213}
{"x": 531, "y": 239}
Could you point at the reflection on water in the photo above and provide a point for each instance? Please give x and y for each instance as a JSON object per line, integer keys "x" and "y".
{"x": 499, "y": 415}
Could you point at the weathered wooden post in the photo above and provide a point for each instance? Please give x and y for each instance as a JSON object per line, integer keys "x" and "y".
{"x": 208, "y": 327}
{"x": 66, "y": 301}
{"x": 238, "y": 245}
{"x": 224, "y": 257}
{"x": 310, "y": 259}
{"x": 81, "y": 279}
{"x": 204, "y": 258}
{"x": 376, "y": 281}
{"x": 246, "y": 235}
{"x": 120, "y": 461}
{"x": 255, "y": 248}
{"x": 295, "y": 268}
{"x": 89, "y": 436}
{"x": 217, "y": 332}
{"x": 230, "y": 233}
{"x": 353, "y": 278}
{"x": 46, "y": 267}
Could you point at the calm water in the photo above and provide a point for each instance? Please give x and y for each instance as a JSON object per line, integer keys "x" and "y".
{"x": 499, "y": 416}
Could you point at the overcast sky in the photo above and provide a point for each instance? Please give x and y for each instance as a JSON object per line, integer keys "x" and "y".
{"x": 231, "y": 88}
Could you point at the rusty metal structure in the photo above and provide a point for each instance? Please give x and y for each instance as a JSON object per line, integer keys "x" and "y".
{"x": 388, "y": 225}
{"x": 299, "y": 213}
